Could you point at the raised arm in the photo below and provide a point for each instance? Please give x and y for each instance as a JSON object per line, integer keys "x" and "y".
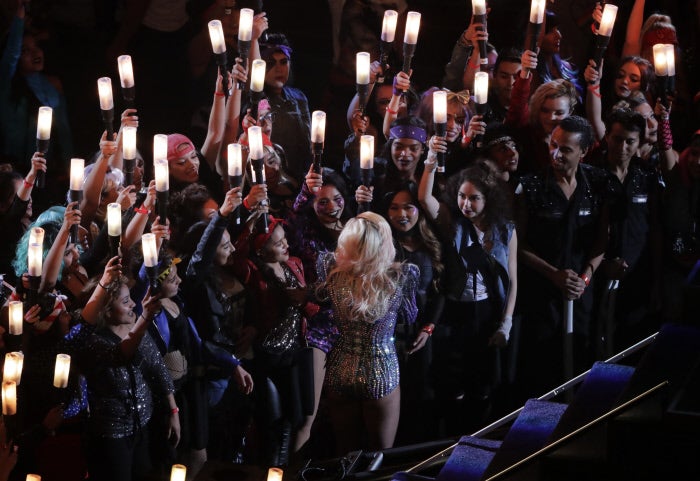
{"x": 92, "y": 188}
{"x": 425, "y": 190}
{"x": 54, "y": 259}
{"x": 217, "y": 122}
{"x": 594, "y": 108}
{"x": 402, "y": 82}
{"x": 233, "y": 116}
{"x": 38, "y": 164}
{"x": 633, "y": 40}
{"x": 137, "y": 225}
{"x": 96, "y": 303}
{"x": 151, "y": 306}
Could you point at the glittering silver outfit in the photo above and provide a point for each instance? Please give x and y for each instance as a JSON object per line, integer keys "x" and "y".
{"x": 363, "y": 362}
{"x": 119, "y": 390}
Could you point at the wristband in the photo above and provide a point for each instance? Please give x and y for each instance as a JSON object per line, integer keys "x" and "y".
{"x": 219, "y": 94}
{"x": 28, "y": 184}
{"x": 428, "y": 330}
{"x": 586, "y": 279}
{"x": 392, "y": 112}
{"x": 666, "y": 137}
{"x": 594, "y": 89}
{"x": 175, "y": 410}
{"x": 142, "y": 210}
{"x": 100, "y": 284}
{"x": 245, "y": 203}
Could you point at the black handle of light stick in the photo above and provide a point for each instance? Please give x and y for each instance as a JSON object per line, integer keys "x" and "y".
{"x": 108, "y": 120}
{"x": 75, "y": 196}
{"x": 384, "y": 49}
{"x": 363, "y": 96}
{"x": 243, "y": 53}
{"x": 531, "y": 35}
{"x": 129, "y": 165}
{"x": 408, "y": 50}
{"x": 259, "y": 168}
{"x": 317, "y": 149}
{"x": 482, "y": 43}
{"x": 162, "y": 206}
{"x": 152, "y": 275}
{"x": 42, "y": 145}
{"x": 367, "y": 182}
{"x": 114, "y": 243}
{"x": 441, "y": 131}
{"x": 600, "y": 44}
{"x": 255, "y": 98}
{"x": 221, "y": 61}
{"x": 129, "y": 96}
{"x": 33, "y": 291}
{"x": 481, "y": 109}
{"x": 233, "y": 182}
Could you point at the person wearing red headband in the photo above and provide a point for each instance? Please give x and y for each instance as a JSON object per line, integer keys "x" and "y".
{"x": 280, "y": 309}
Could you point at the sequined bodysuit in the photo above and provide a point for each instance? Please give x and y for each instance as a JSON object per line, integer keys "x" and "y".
{"x": 363, "y": 363}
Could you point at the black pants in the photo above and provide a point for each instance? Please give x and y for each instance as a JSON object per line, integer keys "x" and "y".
{"x": 118, "y": 459}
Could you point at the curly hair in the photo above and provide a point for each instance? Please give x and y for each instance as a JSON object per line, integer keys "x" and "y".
{"x": 497, "y": 208}
{"x": 365, "y": 274}
{"x": 51, "y": 221}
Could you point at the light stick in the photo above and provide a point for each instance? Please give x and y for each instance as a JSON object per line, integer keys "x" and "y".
{"x": 16, "y": 317}
{"x": 257, "y": 161}
{"x": 318, "y": 135}
{"x": 602, "y": 39}
{"x": 150, "y": 259}
{"x": 245, "y": 35}
{"x": 257, "y": 84}
{"x": 481, "y": 94}
{"x": 362, "y": 79}
{"x": 366, "y": 162}
{"x": 440, "y": 122}
{"x": 43, "y": 137}
{"x": 534, "y": 26}
{"x": 129, "y": 153}
{"x": 126, "y": 79}
{"x": 104, "y": 89}
{"x": 12, "y": 370}
{"x": 235, "y": 171}
{"x": 178, "y": 472}
{"x": 387, "y": 39}
{"x": 114, "y": 227}
{"x": 77, "y": 167}
{"x": 274, "y": 474}
{"x": 61, "y": 371}
{"x": 410, "y": 39}
{"x": 479, "y": 13}
{"x": 9, "y": 398}
{"x": 162, "y": 176}
{"x": 218, "y": 45}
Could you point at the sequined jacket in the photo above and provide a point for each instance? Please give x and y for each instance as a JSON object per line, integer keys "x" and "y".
{"x": 120, "y": 390}
{"x": 363, "y": 363}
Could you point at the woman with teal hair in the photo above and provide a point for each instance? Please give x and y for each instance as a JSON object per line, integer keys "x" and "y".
{"x": 50, "y": 220}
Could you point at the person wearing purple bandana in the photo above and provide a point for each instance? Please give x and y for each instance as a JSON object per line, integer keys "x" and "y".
{"x": 400, "y": 162}
{"x": 289, "y": 105}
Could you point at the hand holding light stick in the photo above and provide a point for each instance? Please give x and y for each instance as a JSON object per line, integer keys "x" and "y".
{"x": 257, "y": 84}
{"x": 257, "y": 155}
{"x": 245, "y": 36}
{"x": 440, "y": 122}
{"x": 104, "y": 89}
{"x": 235, "y": 171}
{"x": 114, "y": 227}
{"x": 534, "y": 26}
{"x": 129, "y": 153}
{"x": 387, "y": 39}
{"x": 126, "y": 79}
{"x": 162, "y": 176}
{"x": 362, "y": 79}
{"x": 218, "y": 44}
{"x": 481, "y": 96}
{"x": 479, "y": 13}
{"x": 604, "y": 31}
{"x": 318, "y": 135}
{"x": 43, "y": 136}
{"x": 366, "y": 162}
{"x": 77, "y": 166}
{"x": 150, "y": 260}
{"x": 410, "y": 39}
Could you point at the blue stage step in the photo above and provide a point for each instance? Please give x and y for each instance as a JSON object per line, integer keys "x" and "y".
{"x": 469, "y": 459}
